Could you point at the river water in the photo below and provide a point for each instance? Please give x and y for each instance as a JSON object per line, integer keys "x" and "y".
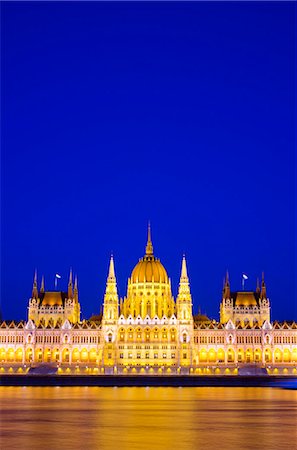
{"x": 147, "y": 418}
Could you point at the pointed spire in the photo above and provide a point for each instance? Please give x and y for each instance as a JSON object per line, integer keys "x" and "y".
{"x": 70, "y": 292}
{"x": 35, "y": 290}
{"x": 149, "y": 245}
{"x": 184, "y": 286}
{"x": 226, "y": 291}
{"x": 227, "y": 278}
{"x": 263, "y": 288}
{"x": 184, "y": 273}
{"x": 75, "y": 284}
{"x": 42, "y": 284}
{"x": 258, "y": 286}
{"x": 184, "y": 298}
{"x": 223, "y": 290}
{"x": 75, "y": 290}
{"x": 111, "y": 272}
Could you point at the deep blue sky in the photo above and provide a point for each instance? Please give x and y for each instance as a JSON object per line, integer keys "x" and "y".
{"x": 114, "y": 114}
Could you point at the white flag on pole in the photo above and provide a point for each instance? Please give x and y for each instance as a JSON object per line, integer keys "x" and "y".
{"x": 244, "y": 277}
{"x": 57, "y": 277}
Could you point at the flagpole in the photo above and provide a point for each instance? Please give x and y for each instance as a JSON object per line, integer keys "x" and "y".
{"x": 56, "y": 282}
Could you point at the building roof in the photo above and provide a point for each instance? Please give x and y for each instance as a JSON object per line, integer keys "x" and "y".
{"x": 53, "y": 298}
{"x": 201, "y": 318}
{"x": 245, "y": 298}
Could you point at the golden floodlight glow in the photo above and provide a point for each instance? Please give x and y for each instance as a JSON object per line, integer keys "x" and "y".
{"x": 148, "y": 331}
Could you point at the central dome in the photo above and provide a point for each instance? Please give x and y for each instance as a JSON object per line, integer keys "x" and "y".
{"x": 149, "y": 268}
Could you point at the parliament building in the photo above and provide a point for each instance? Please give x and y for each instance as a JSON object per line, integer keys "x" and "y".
{"x": 148, "y": 331}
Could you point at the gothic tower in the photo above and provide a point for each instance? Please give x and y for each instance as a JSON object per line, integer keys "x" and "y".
{"x": 184, "y": 298}
{"x": 111, "y": 299}
{"x": 185, "y": 317}
{"x": 110, "y": 317}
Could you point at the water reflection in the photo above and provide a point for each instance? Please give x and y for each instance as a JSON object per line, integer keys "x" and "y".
{"x": 147, "y": 418}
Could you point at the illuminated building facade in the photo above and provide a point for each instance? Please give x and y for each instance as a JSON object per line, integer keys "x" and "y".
{"x": 148, "y": 331}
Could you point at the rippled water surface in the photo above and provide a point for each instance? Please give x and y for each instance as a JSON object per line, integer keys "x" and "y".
{"x": 147, "y": 418}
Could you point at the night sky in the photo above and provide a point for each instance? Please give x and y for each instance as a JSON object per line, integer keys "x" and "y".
{"x": 114, "y": 114}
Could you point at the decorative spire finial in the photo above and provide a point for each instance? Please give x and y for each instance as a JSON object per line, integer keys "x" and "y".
{"x": 149, "y": 245}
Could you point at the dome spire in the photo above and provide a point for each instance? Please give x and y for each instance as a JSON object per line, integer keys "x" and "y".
{"x": 149, "y": 246}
